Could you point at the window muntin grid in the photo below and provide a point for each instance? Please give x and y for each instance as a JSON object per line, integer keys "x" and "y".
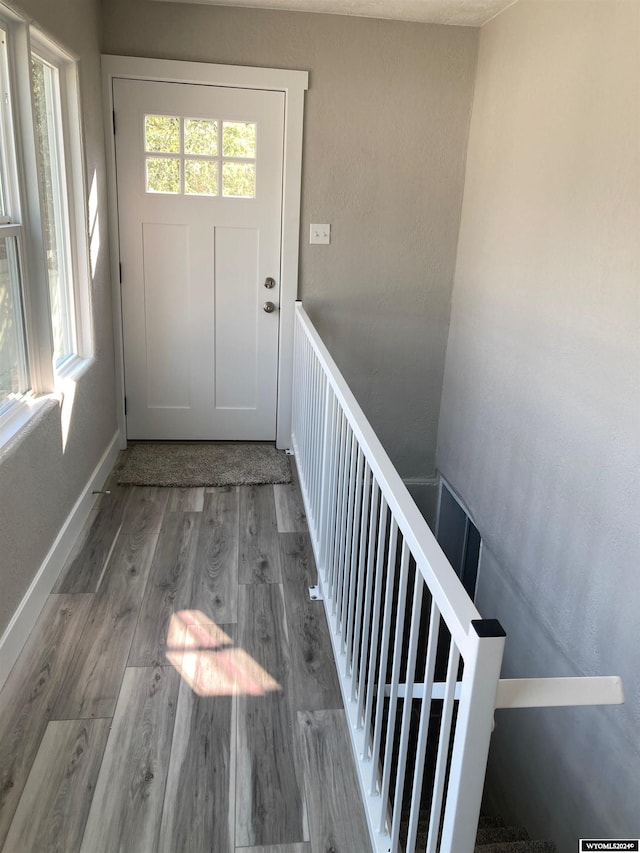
{"x": 200, "y": 157}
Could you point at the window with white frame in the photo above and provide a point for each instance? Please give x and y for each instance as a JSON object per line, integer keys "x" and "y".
{"x": 14, "y": 363}
{"x": 44, "y": 270}
{"x": 55, "y": 208}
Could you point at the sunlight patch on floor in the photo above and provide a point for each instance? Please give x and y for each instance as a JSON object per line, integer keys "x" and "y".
{"x": 210, "y": 664}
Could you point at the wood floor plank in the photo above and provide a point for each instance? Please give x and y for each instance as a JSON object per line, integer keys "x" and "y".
{"x": 54, "y": 806}
{"x": 199, "y": 803}
{"x": 91, "y": 684}
{"x": 290, "y": 513}
{"x": 259, "y": 551}
{"x": 262, "y": 630}
{"x": 145, "y": 509}
{"x": 336, "y": 815}
{"x": 314, "y": 678}
{"x": 126, "y": 810}
{"x": 186, "y": 500}
{"x": 269, "y": 806}
{"x": 277, "y": 848}
{"x": 88, "y": 558}
{"x": 168, "y": 588}
{"x": 214, "y": 589}
{"x": 26, "y": 695}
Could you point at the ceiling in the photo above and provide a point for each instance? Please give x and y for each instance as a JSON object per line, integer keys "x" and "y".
{"x": 463, "y": 13}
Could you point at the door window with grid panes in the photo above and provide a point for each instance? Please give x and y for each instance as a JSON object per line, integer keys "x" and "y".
{"x": 196, "y": 156}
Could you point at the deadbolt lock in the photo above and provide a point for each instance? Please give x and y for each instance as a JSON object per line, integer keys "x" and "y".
{"x": 269, "y": 283}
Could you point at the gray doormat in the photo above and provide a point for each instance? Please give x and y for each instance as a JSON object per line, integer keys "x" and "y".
{"x": 186, "y": 465}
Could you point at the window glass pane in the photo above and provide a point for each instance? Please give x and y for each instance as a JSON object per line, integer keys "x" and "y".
{"x": 54, "y": 208}
{"x": 163, "y": 175}
{"x": 6, "y": 141}
{"x": 162, "y": 134}
{"x": 3, "y": 206}
{"x": 239, "y": 180}
{"x": 13, "y": 358}
{"x": 200, "y": 136}
{"x": 238, "y": 139}
{"x": 201, "y": 177}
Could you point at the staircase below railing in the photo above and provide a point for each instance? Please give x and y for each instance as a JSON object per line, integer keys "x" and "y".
{"x": 402, "y": 626}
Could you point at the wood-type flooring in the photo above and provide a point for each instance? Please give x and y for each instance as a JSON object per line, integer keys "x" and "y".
{"x": 178, "y": 693}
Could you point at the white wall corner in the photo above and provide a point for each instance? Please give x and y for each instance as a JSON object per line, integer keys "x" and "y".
{"x": 424, "y": 491}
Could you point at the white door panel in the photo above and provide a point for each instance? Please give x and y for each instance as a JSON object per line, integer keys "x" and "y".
{"x": 200, "y": 353}
{"x": 236, "y": 356}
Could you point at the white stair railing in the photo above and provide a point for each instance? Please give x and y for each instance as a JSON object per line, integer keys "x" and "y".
{"x": 401, "y": 625}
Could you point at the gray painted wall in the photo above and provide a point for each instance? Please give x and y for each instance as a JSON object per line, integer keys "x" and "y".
{"x": 386, "y": 127}
{"x": 40, "y": 480}
{"x": 540, "y": 421}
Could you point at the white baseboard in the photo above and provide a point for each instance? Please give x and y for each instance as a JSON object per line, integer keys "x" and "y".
{"x": 23, "y": 620}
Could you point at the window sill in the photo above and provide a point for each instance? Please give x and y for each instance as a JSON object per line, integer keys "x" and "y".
{"x": 71, "y": 370}
{"x": 19, "y": 414}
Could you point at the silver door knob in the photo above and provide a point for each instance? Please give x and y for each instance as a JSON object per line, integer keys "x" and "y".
{"x": 269, "y": 307}
{"x": 269, "y": 283}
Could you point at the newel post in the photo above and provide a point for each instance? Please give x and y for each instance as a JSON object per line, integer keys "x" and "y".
{"x": 473, "y": 735}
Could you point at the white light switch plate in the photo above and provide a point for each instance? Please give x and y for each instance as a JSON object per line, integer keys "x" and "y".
{"x": 319, "y": 233}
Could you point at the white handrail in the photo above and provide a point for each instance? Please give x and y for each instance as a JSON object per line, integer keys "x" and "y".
{"x": 455, "y": 604}
{"x": 402, "y": 625}
{"x": 538, "y": 692}
{"x": 559, "y": 692}
{"x": 374, "y": 553}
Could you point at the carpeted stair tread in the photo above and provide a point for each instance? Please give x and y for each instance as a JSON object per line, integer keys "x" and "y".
{"x": 492, "y": 837}
{"x": 518, "y": 847}
{"x": 500, "y": 834}
{"x": 487, "y": 821}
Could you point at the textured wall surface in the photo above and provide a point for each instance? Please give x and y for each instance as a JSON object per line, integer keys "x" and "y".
{"x": 540, "y": 420}
{"x": 41, "y": 474}
{"x": 386, "y": 124}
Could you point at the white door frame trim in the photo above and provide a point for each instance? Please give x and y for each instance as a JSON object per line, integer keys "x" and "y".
{"x": 293, "y": 84}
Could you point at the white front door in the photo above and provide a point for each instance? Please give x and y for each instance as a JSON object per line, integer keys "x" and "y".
{"x": 199, "y": 177}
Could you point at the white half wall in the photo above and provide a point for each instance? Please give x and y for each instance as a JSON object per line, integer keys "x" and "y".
{"x": 26, "y": 615}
